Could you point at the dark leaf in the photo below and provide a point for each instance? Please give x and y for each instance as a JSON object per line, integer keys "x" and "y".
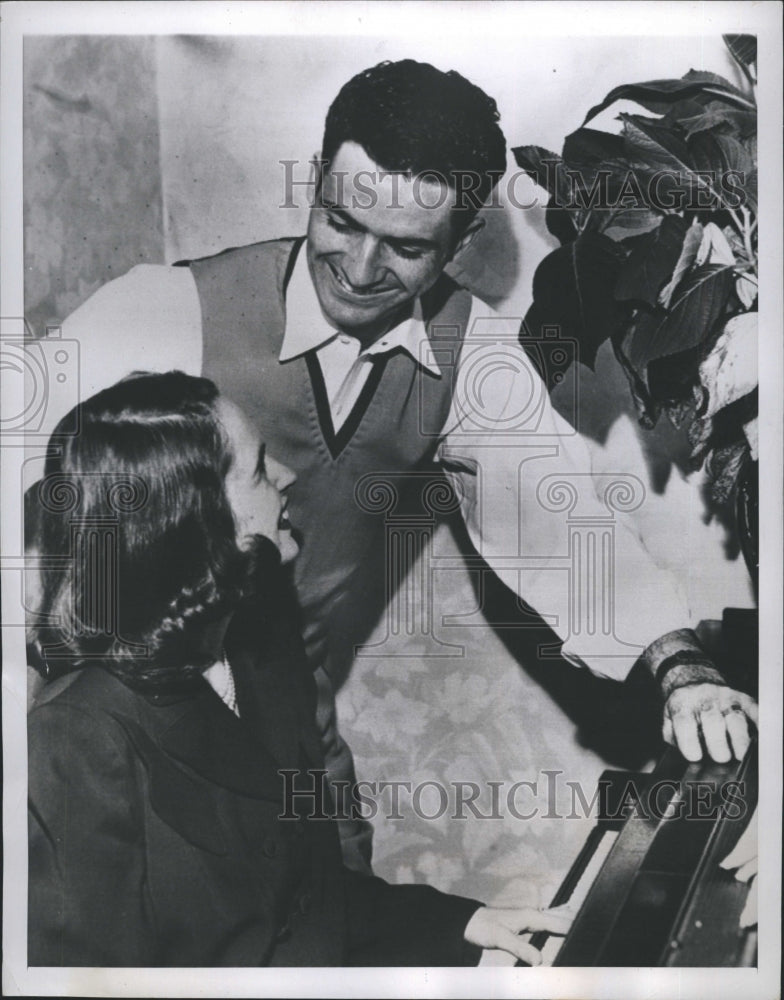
{"x": 723, "y": 468}
{"x": 623, "y": 223}
{"x": 743, "y": 48}
{"x": 658, "y": 95}
{"x": 715, "y": 115}
{"x": 688, "y": 254}
{"x": 679, "y": 413}
{"x": 652, "y": 262}
{"x": 672, "y": 160}
{"x": 588, "y": 146}
{"x": 694, "y": 309}
{"x": 682, "y": 110}
{"x": 699, "y": 433}
{"x": 603, "y": 187}
{"x": 713, "y": 81}
{"x": 647, "y": 409}
{"x": 719, "y": 153}
{"x": 749, "y": 196}
{"x": 655, "y": 145}
{"x": 673, "y": 378}
{"x": 573, "y": 288}
{"x": 544, "y": 168}
{"x": 563, "y": 223}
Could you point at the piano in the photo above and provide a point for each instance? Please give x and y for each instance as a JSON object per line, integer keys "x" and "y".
{"x": 646, "y": 886}
{"x": 647, "y": 882}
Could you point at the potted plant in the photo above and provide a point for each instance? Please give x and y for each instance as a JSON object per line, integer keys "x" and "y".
{"x": 658, "y": 233}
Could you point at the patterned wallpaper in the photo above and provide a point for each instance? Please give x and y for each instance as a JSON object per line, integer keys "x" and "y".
{"x": 92, "y": 176}
{"x": 438, "y": 705}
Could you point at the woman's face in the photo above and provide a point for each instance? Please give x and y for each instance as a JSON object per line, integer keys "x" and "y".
{"x": 256, "y": 484}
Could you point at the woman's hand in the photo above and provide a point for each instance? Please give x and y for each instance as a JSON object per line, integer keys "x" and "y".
{"x": 499, "y": 928}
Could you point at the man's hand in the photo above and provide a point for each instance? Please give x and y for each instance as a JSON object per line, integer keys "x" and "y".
{"x": 492, "y": 927}
{"x": 720, "y": 713}
{"x": 743, "y": 857}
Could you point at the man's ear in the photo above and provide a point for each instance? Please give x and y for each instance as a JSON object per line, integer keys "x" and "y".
{"x": 468, "y": 235}
{"x": 317, "y": 167}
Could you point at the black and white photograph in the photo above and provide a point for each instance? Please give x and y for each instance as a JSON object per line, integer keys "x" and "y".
{"x": 391, "y": 540}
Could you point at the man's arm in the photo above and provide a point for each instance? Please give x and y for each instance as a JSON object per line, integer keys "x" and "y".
{"x": 559, "y": 536}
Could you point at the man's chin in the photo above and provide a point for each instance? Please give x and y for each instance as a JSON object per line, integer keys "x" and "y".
{"x": 287, "y": 546}
{"x": 357, "y": 315}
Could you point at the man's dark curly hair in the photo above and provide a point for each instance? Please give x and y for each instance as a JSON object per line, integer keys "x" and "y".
{"x": 136, "y": 535}
{"x": 412, "y": 118}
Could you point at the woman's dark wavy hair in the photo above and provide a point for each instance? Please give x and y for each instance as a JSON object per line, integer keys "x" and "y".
{"x": 138, "y": 532}
{"x": 412, "y": 118}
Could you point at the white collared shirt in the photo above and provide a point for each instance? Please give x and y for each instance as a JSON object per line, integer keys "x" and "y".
{"x": 523, "y": 475}
{"x": 344, "y": 364}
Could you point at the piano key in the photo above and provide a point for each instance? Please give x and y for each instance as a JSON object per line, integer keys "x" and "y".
{"x": 604, "y": 839}
{"x": 553, "y": 944}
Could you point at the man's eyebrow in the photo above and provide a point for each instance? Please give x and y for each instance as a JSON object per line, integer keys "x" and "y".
{"x": 395, "y": 241}
{"x": 260, "y": 467}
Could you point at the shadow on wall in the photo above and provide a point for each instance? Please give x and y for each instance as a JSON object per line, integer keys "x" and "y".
{"x": 92, "y": 176}
{"x": 490, "y": 268}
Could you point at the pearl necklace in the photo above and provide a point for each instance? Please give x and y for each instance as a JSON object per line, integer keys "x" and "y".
{"x": 223, "y": 685}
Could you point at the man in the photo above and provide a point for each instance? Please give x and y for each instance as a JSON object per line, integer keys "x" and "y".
{"x": 370, "y": 359}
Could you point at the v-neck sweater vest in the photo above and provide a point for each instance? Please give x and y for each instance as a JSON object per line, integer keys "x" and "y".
{"x": 394, "y": 426}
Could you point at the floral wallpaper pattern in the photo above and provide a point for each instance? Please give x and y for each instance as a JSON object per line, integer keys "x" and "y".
{"x": 473, "y": 718}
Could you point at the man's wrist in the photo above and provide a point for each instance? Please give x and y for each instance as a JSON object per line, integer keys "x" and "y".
{"x": 677, "y": 659}
{"x": 684, "y": 674}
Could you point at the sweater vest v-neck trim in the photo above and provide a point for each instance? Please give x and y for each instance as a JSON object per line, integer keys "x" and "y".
{"x": 393, "y": 428}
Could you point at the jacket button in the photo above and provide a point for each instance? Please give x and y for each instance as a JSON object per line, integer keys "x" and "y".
{"x": 270, "y": 848}
{"x": 304, "y": 903}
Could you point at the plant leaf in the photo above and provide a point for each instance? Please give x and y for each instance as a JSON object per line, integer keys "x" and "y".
{"x": 655, "y": 146}
{"x": 746, "y": 290}
{"x": 751, "y": 430}
{"x": 652, "y": 261}
{"x": 695, "y": 308}
{"x": 626, "y": 222}
{"x": 647, "y": 409}
{"x": 662, "y": 149}
{"x": 589, "y": 146}
{"x": 672, "y": 379}
{"x": 658, "y": 95}
{"x": 691, "y": 245}
{"x": 720, "y": 153}
{"x": 715, "y": 247}
{"x": 723, "y": 467}
{"x": 544, "y": 168}
{"x": 743, "y": 48}
{"x": 715, "y": 115}
{"x": 730, "y": 371}
{"x": 750, "y": 192}
{"x": 573, "y": 290}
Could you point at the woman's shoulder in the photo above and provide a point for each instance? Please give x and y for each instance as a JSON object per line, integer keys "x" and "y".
{"x": 86, "y": 700}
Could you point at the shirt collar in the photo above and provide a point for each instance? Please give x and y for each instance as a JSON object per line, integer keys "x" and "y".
{"x": 307, "y": 329}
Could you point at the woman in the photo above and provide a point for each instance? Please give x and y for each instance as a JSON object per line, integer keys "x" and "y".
{"x": 178, "y": 693}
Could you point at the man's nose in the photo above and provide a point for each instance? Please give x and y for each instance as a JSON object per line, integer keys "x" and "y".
{"x": 280, "y": 475}
{"x": 360, "y": 264}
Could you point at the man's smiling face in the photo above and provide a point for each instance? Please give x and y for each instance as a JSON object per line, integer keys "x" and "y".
{"x": 376, "y": 241}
